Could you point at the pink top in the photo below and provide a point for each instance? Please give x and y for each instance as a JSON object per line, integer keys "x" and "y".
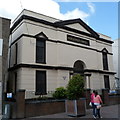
{"x": 92, "y": 97}
{"x": 97, "y": 99}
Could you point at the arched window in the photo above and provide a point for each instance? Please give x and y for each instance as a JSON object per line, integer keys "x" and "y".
{"x": 79, "y": 67}
{"x": 105, "y": 59}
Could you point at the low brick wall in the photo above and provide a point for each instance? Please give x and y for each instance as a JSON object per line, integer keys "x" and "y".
{"x": 37, "y": 108}
{"x": 114, "y": 100}
{"x": 21, "y": 108}
{"x": 110, "y": 99}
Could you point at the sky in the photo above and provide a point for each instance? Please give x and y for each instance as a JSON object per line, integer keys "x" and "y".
{"x": 102, "y": 17}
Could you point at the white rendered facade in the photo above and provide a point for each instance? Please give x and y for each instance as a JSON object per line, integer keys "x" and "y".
{"x": 66, "y": 43}
{"x": 116, "y": 62}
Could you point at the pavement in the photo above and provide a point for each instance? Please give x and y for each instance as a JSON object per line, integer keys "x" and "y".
{"x": 107, "y": 112}
{"x": 0, "y": 116}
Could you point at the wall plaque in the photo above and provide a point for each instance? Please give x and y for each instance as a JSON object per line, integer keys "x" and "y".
{"x": 78, "y": 40}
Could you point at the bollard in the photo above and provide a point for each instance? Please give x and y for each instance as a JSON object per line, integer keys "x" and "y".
{"x": 6, "y": 112}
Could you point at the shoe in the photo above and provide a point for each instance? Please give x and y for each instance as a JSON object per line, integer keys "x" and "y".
{"x": 100, "y": 117}
{"x": 94, "y": 117}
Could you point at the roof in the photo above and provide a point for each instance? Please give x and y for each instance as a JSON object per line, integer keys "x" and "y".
{"x": 72, "y": 21}
{"x": 36, "y": 17}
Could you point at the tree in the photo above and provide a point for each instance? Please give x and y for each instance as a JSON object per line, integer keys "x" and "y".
{"x": 75, "y": 87}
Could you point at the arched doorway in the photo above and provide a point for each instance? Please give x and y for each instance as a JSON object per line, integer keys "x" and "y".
{"x": 78, "y": 68}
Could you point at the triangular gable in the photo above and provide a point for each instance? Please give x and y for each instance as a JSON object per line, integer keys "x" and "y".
{"x": 104, "y": 50}
{"x": 41, "y": 35}
{"x": 79, "y": 25}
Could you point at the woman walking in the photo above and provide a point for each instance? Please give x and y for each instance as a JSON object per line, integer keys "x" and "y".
{"x": 92, "y": 102}
{"x": 97, "y": 103}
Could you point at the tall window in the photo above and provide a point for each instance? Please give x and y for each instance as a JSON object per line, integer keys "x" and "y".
{"x": 105, "y": 59}
{"x": 40, "y": 50}
{"x": 40, "y": 82}
{"x": 15, "y": 82}
{"x": 16, "y": 53}
{"x": 106, "y": 81}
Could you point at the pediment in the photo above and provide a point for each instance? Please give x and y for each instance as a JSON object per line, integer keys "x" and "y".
{"x": 104, "y": 50}
{"x": 79, "y": 25}
{"x": 41, "y": 35}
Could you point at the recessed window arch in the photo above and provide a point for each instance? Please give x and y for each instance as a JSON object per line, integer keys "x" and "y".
{"x": 105, "y": 59}
{"x": 79, "y": 67}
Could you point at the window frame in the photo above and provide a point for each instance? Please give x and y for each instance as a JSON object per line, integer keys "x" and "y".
{"x": 16, "y": 54}
{"x": 37, "y": 91}
{"x": 106, "y": 82}
{"x": 44, "y": 49}
{"x": 105, "y": 59}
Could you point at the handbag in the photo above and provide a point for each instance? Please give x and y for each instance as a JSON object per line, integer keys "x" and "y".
{"x": 90, "y": 104}
{"x": 99, "y": 106}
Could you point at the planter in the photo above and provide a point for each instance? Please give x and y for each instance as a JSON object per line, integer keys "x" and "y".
{"x": 76, "y": 107}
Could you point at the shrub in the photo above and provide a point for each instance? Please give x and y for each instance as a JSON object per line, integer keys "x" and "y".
{"x": 75, "y": 87}
{"x": 60, "y": 93}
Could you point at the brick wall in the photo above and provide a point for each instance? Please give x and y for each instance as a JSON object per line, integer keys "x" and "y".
{"x": 44, "y": 108}
{"x": 0, "y": 84}
{"x": 22, "y": 108}
{"x": 4, "y": 35}
{"x": 0, "y": 68}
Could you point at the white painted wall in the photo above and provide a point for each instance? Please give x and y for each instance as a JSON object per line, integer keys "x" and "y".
{"x": 26, "y": 80}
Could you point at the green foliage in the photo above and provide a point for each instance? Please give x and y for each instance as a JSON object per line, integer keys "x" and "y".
{"x": 60, "y": 93}
{"x": 75, "y": 87}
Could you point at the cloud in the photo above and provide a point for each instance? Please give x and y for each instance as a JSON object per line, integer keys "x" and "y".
{"x": 47, "y": 7}
{"x": 91, "y": 7}
{"x": 10, "y": 8}
{"x": 76, "y": 13}
{"x": 86, "y": 0}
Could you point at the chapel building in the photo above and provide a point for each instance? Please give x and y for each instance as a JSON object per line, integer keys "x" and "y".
{"x": 45, "y": 52}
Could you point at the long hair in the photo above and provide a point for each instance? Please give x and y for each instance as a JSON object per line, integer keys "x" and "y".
{"x": 96, "y": 93}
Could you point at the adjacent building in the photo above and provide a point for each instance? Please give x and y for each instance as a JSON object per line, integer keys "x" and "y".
{"x": 116, "y": 64}
{"x": 119, "y": 61}
{"x": 45, "y": 52}
{"x": 0, "y": 84}
{"x": 4, "y": 44}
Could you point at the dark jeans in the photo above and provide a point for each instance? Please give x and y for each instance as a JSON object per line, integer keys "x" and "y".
{"x": 94, "y": 109}
{"x": 97, "y": 112}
